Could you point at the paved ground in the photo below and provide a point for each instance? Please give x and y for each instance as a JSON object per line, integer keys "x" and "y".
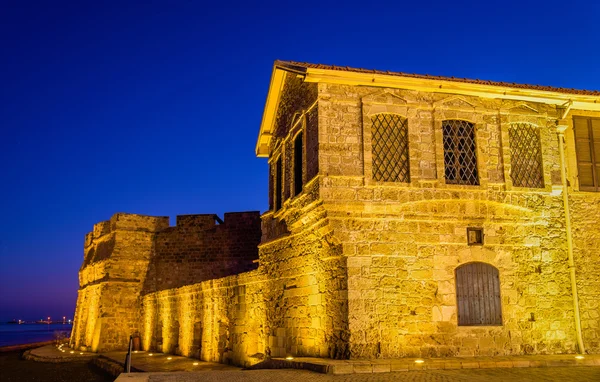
{"x": 562, "y": 374}
{"x": 166, "y": 362}
{"x": 15, "y": 369}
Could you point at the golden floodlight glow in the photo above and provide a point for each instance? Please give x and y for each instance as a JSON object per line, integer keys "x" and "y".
{"x": 169, "y": 357}
{"x": 289, "y": 358}
{"x": 579, "y": 357}
{"x": 80, "y": 353}
{"x": 150, "y": 354}
{"x": 419, "y": 361}
{"x": 195, "y": 363}
{"x": 135, "y": 351}
{"x": 72, "y": 352}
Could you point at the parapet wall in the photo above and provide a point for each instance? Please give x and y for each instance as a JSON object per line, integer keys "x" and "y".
{"x": 199, "y": 249}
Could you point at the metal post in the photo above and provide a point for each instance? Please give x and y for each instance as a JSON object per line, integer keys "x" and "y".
{"x": 128, "y": 356}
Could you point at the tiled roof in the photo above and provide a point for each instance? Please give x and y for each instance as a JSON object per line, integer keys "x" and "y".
{"x": 302, "y": 66}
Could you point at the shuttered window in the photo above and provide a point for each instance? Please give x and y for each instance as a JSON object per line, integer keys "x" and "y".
{"x": 478, "y": 295}
{"x": 587, "y": 143}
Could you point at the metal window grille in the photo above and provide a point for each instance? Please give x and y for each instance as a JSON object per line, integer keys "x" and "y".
{"x": 478, "y": 294}
{"x": 389, "y": 144}
{"x": 526, "y": 156}
{"x": 460, "y": 156}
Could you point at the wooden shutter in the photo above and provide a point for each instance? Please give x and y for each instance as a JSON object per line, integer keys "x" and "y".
{"x": 587, "y": 144}
{"x": 478, "y": 295}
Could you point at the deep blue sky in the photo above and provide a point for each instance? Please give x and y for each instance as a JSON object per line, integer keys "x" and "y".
{"x": 154, "y": 107}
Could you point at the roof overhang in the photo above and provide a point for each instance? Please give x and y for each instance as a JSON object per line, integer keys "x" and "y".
{"x": 268, "y": 121}
{"x": 434, "y": 85}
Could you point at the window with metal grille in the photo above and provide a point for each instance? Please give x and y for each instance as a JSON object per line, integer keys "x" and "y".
{"x": 526, "y": 156}
{"x": 278, "y": 181}
{"x": 298, "y": 163}
{"x": 478, "y": 295}
{"x": 389, "y": 145}
{"x": 587, "y": 144}
{"x": 460, "y": 155}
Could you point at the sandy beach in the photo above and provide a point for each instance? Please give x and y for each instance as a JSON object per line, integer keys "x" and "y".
{"x": 15, "y": 369}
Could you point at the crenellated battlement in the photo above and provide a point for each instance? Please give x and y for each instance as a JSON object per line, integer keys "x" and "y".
{"x": 130, "y": 255}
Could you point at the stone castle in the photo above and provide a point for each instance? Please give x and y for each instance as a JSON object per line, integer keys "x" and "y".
{"x": 409, "y": 215}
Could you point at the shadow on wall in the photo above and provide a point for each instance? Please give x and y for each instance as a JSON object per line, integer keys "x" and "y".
{"x": 203, "y": 247}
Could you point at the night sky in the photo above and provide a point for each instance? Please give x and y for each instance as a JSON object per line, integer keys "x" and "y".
{"x": 154, "y": 107}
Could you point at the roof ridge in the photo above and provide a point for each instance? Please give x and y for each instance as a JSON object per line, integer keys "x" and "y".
{"x": 307, "y": 65}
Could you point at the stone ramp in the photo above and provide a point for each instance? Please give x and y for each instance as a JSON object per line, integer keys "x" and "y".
{"x": 60, "y": 353}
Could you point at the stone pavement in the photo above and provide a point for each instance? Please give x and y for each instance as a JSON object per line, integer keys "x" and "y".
{"x": 156, "y": 362}
{"x": 336, "y": 367}
{"x": 161, "y": 367}
{"x": 563, "y": 374}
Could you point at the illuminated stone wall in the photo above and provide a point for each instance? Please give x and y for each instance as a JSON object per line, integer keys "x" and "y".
{"x": 117, "y": 255}
{"x": 199, "y": 249}
{"x": 295, "y": 303}
{"x": 218, "y": 320}
{"x": 132, "y": 255}
{"x": 586, "y": 239}
{"x": 403, "y": 241}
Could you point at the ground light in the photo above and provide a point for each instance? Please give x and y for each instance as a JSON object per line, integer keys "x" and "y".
{"x": 195, "y": 363}
{"x": 289, "y": 358}
{"x": 72, "y": 352}
{"x": 419, "y": 361}
{"x": 169, "y": 357}
{"x": 579, "y": 357}
{"x": 150, "y": 354}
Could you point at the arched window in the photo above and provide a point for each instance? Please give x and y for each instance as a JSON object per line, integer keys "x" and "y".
{"x": 478, "y": 295}
{"x": 525, "y": 155}
{"x": 389, "y": 145}
{"x": 460, "y": 154}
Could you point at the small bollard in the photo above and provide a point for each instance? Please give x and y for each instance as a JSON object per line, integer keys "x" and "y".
{"x": 128, "y": 356}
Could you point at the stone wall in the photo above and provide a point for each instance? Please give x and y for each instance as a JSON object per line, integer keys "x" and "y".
{"x": 585, "y": 209}
{"x": 199, "y": 249}
{"x": 294, "y": 304}
{"x": 219, "y": 320}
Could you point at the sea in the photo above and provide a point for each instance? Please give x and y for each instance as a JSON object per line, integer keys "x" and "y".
{"x": 18, "y": 334}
